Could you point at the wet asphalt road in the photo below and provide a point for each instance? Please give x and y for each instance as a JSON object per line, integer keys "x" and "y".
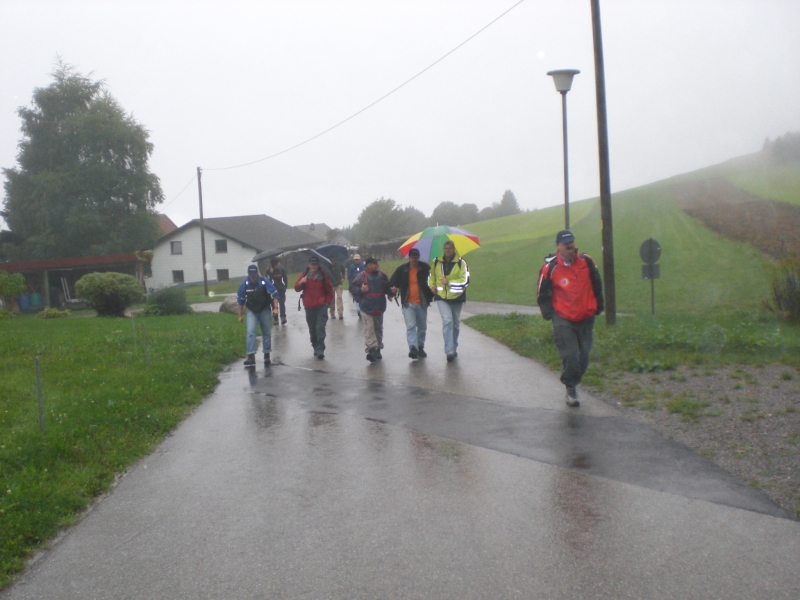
{"x": 417, "y": 479}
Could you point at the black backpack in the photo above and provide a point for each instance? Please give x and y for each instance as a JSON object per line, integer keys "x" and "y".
{"x": 257, "y": 299}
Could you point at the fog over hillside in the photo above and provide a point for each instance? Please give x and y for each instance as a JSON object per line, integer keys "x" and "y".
{"x": 689, "y": 83}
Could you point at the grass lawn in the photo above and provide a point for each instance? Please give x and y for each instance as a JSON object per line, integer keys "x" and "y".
{"x": 103, "y": 408}
{"x": 700, "y": 270}
{"x": 650, "y": 344}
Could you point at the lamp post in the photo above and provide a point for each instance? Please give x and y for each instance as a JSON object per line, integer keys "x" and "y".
{"x": 563, "y": 80}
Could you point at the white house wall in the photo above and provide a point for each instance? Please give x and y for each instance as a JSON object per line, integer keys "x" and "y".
{"x": 236, "y": 260}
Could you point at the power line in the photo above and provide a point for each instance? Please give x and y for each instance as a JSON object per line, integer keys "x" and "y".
{"x": 481, "y": 30}
{"x": 179, "y": 193}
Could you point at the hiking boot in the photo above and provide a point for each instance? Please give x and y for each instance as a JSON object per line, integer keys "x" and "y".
{"x": 413, "y": 352}
{"x": 378, "y": 355}
{"x": 267, "y": 360}
{"x": 371, "y": 356}
{"x": 283, "y": 321}
{"x": 274, "y": 320}
{"x": 422, "y": 353}
{"x": 572, "y": 398}
{"x": 321, "y": 356}
{"x": 250, "y": 360}
{"x": 451, "y": 357}
{"x": 341, "y": 317}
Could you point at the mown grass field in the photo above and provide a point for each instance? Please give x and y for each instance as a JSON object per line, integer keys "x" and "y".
{"x": 700, "y": 270}
{"x": 104, "y": 409}
{"x": 710, "y": 300}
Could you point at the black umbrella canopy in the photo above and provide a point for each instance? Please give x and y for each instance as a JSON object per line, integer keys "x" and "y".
{"x": 334, "y": 251}
{"x": 324, "y": 263}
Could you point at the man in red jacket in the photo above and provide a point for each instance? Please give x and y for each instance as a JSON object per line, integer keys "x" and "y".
{"x": 570, "y": 293}
{"x": 317, "y": 295}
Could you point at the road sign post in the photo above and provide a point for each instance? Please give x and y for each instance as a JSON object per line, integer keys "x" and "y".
{"x": 650, "y": 252}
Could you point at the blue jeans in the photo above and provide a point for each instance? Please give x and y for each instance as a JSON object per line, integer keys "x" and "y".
{"x": 253, "y": 319}
{"x": 451, "y": 323}
{"x": 416, "y": 318}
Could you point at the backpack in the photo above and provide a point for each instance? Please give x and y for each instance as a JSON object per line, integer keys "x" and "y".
{"x": 258, "y": 299}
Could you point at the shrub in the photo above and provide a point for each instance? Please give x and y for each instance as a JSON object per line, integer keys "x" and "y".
{"x": 109, "y": 293}
{"x": 168, "y": 301}
{"x": 6, "y": 314}
{"x": 785, "y": 286}
{"x": 12, "y": 285}
{"x": 53, "y": 313}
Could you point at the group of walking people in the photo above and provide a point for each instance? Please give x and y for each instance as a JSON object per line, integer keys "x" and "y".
{"x": 569, "y": 294}
{"x": 414, "y": 285}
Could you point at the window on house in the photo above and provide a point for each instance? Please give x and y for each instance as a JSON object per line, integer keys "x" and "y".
{"x": 176, "y": 248}
{"x": 222, "y": 275}
{"x": 222, "y": 246}
{"x": 177, "y": 276}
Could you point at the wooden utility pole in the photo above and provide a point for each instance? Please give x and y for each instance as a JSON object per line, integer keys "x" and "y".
{"x": 202, "y": 232}
{"x": 605, "y": 177}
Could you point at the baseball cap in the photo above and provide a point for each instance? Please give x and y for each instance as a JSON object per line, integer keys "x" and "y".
{"x": 564, "y": 237}
{"x": 313, "y": 260}
{"x": 413, "y": 252}
{"x": 252, "y": 270}
{"x": 371, "y": 260}
{"x": 356, "y": 256}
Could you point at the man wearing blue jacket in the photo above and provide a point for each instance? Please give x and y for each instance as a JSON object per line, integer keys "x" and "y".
{"x": 257, "y": 294}
{"x": 374, "y": 287}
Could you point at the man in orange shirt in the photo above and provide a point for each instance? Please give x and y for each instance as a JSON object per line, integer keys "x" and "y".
{"x": 411, "y": 279}
{"x": 570, "y": 293}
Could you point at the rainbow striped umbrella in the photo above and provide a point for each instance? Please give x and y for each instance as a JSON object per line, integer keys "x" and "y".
{"x": 430, "y": 241}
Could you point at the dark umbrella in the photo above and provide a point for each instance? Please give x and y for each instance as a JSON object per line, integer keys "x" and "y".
{"x": 324, "y": 263}
{"x": 332, "y": 251}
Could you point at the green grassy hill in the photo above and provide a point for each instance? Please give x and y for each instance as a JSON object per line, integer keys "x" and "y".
{"x": 700, "y": 270}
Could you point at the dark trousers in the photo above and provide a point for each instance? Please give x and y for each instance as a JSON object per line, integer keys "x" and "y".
{"x": 282, "y": 303}
{"x": 317, "y": 319}
{"x": 574, "y": 343}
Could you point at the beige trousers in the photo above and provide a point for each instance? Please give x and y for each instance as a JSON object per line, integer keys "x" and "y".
{"x": 337, "y": 301}
{"x": 373, "y": 331}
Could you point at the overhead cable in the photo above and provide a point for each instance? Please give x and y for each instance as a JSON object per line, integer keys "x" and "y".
{"x": 376, "y": 101}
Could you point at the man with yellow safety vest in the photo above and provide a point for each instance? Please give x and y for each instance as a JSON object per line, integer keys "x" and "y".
{"x": 448, "y": 281}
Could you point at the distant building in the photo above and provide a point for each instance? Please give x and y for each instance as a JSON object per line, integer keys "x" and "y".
{"x": 231, "y": 243}
{"x": 320, "y": 231}
{"x": 165, "y": 224}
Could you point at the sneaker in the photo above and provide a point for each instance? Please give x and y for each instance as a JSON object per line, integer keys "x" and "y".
{"x": 321, "y": 356}
{"x": 267, "y": 361}
{"x": 250, "y": 360}
{"x": 413, "y": 352}
{"x": 283, "y": 321}
{"x": 378, "y": 355}
{"x": 371, "y": 356}
{"x": 422, "y": 353}
{"x": 572, "y": 398}
{"x": 341, "y": 318}
{"x": 451, "y": 357}
{"x": 274, "y": 320}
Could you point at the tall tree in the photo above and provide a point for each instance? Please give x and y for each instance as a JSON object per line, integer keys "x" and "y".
{"x": 82, "y": 185}
{"x": 508, "y": 205}
{"x": 384, "y": 219}
{"x": 450, "y": 213}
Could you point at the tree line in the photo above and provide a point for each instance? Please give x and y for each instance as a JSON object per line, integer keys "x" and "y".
{"x": 384, "y": 219}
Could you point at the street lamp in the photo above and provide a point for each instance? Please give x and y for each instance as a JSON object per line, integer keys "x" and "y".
{"x": 563, "y": 80}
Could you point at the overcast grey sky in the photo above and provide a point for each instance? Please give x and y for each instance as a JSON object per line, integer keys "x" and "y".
{"x": 689, "y": 83}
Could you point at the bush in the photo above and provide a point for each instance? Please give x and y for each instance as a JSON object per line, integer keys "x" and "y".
{"x": 12, "y": 285}
{"x": 785, "y": 286}
{"x": 53, "y": 313}
{"x": 168, "y": 301}
{"x": 6, "y": 314}
{"x": 109, "y": 293}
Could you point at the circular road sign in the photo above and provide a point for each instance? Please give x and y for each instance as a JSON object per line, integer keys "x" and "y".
{"x": 650, "y": 251}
